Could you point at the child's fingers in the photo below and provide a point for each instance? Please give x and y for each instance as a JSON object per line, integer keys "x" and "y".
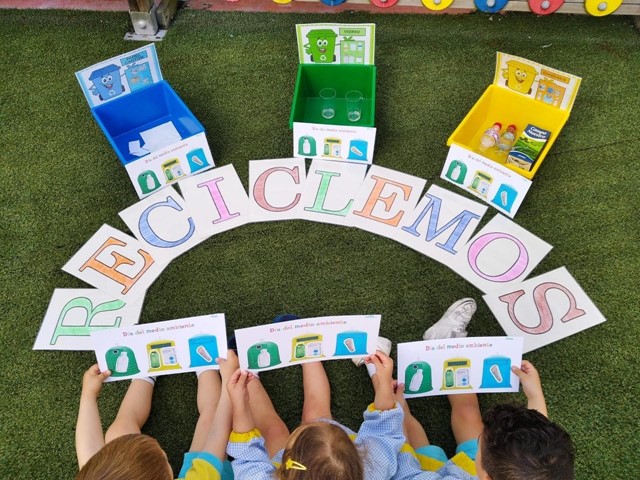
{"x": 106, "y": 374}
{"x": 521, "y": 374}
{"x": 235, "y": 377}
{"x": 400, "y": 389}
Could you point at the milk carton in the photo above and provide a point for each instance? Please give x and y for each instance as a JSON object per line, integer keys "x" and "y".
{"x": 527, "y": 147}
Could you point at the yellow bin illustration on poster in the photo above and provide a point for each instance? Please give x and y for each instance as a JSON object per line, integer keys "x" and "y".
{"x": 162, "y": 356}
{"x": 305, "y": 347}
{"x": 456, "y": 374}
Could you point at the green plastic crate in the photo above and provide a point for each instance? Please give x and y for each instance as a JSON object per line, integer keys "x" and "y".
{"x": 311, "y": 79}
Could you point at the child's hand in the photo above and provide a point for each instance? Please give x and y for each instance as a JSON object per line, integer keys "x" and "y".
{"x": 529, "y": 378}
{"x": 92, "y": 380}
{"x": 531, "y": 386}
{"x": 237, "y": 387}
{"x": 384, "y": 368}
{"x": 228, "y": 366}
{"x": 398, "y": 393}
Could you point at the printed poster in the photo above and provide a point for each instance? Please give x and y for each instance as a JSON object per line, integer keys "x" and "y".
{"x": 162, "y": 348}
{"x": 279, "y": 345}
{"x": 459, "y": 365}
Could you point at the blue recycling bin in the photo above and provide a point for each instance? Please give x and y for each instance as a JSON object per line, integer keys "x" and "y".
{"x": 122, "y": 121}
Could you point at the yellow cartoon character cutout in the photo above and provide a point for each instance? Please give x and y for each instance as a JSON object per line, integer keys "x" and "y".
{"x": 520, "y": 76}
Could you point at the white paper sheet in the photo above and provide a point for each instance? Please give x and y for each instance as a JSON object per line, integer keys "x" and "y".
{"x": 217, "y": 200}
{"x": 502, "y": 253}
{"x": 162, "y": 348}
{"x": 441, "y": 224}
{"x": 459, "y": 365}
{"x": 159, "y": 137}
{"x": 330, "y": 191}
{"x": 115, "y": 263}
{"x": 279, "y": 345}
{"x": 275, "y": 188}
{"x": 163, "y": 224}
{"x": 73, "y": 313}
{"x": 383, "y": 199}
{"x": 544, "y": 309}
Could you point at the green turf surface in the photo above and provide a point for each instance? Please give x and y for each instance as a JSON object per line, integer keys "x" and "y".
{"x": 60, "y": 181}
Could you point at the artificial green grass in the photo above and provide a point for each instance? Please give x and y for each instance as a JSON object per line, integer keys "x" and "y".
{"x": 60, "y": 180}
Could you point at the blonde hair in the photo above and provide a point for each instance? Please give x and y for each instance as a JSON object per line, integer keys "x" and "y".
{"x": 325, "y": 450}
{"x": 130, "y": 457}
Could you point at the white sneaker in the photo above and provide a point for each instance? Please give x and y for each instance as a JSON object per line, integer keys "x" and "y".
{"x": 384, "y": 345}
{"x": 453, "y": 323}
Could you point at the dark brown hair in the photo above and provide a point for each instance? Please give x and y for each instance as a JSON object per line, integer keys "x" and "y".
{"x": 518, "y": 443}
{"x": 326, "y": 451}
{"x": 130, "y": 457}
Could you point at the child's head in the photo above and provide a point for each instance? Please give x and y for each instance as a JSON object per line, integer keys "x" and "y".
{"x": 518, "y": 443}
{"x": 324, "y": 451}
{"x": 129, "y": 457}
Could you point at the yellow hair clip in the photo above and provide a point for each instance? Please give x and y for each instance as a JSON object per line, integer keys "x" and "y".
{"x": 293, "y": 465}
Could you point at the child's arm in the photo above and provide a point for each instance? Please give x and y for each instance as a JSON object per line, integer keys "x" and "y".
{"x": 382, "y": 381}
{"x": 220, "y": 429}
{"x": 531, "y": 386}
{"x": 239, "y": 395}
{"x": 89, "y": 435}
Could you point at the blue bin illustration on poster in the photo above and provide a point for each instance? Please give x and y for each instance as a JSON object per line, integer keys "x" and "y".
{"x": 203, "y": 350}
{"x": 505, "y": 196}
{"x": 417, "y": 378}
{"x": 197, "y": 160}
{"x": 496, "y": 372}
{"x": 106, "y": 82}
{"x": 351, "y": 343}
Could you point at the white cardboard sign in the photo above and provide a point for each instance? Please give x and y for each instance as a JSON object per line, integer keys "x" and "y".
{"x": 441, "y": 224}
{"x": 502, "y": 253}
{"x": 544, "y": 309}
{"x": 163, "y": 224}
{"x": 115, "y": 263}
{"x": 275, "y": 188}
{"x": 73, "y": 313}
{"x": 384, "y": 198}
{"x": 162, "y": 348}
{"x": 217, "y": 200}
{"x": 330, "y": 191}
{"x": 278, "y": 345}
{"x": 459, "y": 365}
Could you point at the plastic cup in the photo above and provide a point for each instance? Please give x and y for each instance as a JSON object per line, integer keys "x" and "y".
{"x": 350, "y": 344}
{"x": 328, "y": 101}
{"x": 354, "y": 105}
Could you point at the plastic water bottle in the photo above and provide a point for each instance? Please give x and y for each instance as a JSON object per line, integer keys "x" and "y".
{"x": 503, "y": 147}
{"x": 264, "y": 359}
{"x": 122, "y": 363}
{"x": 489, "y": 138}
{"x": 416, "y": 381}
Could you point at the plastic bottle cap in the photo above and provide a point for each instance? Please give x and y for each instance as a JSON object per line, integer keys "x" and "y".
{"x": 512, "y": 127}
{"x": 498, "y": 123}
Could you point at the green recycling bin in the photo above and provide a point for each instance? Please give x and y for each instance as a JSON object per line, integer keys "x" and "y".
{"x": 322, "y": 45}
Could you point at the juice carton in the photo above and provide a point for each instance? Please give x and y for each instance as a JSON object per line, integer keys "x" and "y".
{"x": 528, "y": 146}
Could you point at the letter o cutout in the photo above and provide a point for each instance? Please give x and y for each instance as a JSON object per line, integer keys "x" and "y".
{"x": 519, "y": 266}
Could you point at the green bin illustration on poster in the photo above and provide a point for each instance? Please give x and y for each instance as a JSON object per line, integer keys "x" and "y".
{"x": 263, "y": 355}
{"x": 322, "y": 45}
{"x": 121, "y": 361}
{"x": 417, "y": 378}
